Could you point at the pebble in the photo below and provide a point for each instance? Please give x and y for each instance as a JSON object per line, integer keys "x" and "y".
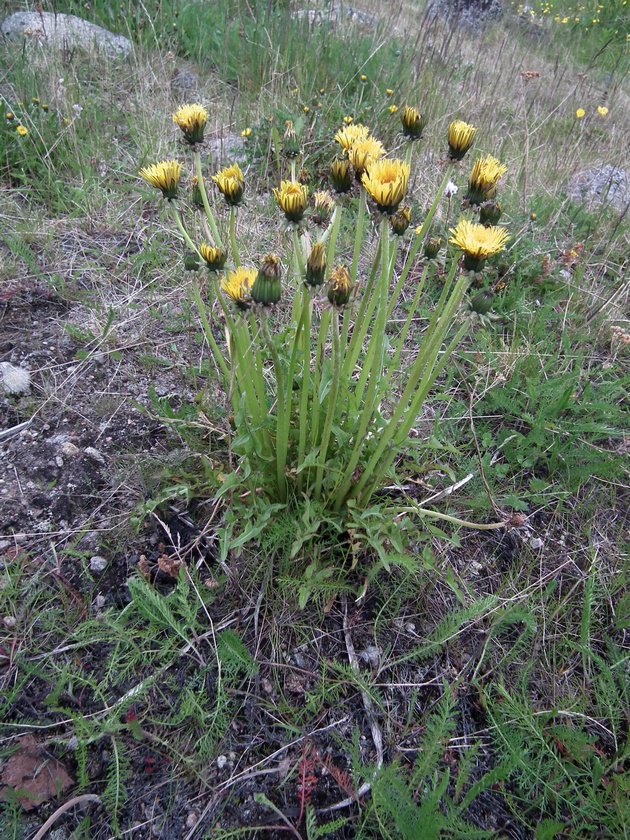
{"x": 70, "y": 450}
{"x": 221, "y": 761}
{"x": 97, "y": 563}
{"x": 94, "y": 455}
{"x": 9, "y": 622}
{"x": 536, "y": 543}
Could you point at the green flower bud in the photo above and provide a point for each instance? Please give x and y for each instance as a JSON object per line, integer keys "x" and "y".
{"x": 267, "y": 288}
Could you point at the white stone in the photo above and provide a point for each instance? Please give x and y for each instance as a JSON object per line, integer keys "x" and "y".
{"x": 97, "y": 563}
{"x": 62, "y": 32}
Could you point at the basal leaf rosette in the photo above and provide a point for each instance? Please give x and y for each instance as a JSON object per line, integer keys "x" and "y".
{"x": 291, "y": 198}
{"x": 386, "y": 182}
{"x": 478, "y": 242}
{"x": 163, "y": 175}
{"x": 231, "y": 184}
{"x": 238, "y": 284}
{"x": 483, "y": 180}
{"x": 192, "y": 120}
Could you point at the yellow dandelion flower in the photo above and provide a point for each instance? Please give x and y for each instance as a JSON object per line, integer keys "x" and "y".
{"x": 363, "y": 77}
{"x": 478, "y": 242}
{"x": 393, "y": 109}
{"x": 9, "y": 115}
{"x": 460, "y": 136}
{"x": 413, "y": 123}
{"x": 238, "y": 286}
{"x": 340, "y": 287}
{"x": 580, "y": 113}
{"x": 21, "y": 130}
{"x": 348, "y": 120}
{"x": 389, "y": 92}
{"x": 246, "y": 132}
{"x": 482, "y": 183}
{"x": 341, "y": 175}
{"x": 291, "y": 198}
{"x": 192, "y": 120}
{"x": 306, "y": 109}
{"x": 386, "y": 182}
{"x": 214, "y": 258}
{"x": 365, "y": 152}
{"x": 231, "y": 184}
{"x": 351, "y": 134}
{"x": 163, "y": 175}
{"x": 602, "y": 110}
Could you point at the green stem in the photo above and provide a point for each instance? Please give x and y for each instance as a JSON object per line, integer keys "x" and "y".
{"x": 206, "y": 204}
{"x": 180, "y": 226}
{"x": 281, "y": 396}
{"x": 419, "y": 239}
{"x": 405, "y": 330}
{"x": 358, "y": 239}
{"x": 233, "y": 245}
{"x": 374, "y": 363}
{"x": 304, "y": 395}
{"x": 332, "y": 405}
{"x": 363, "y": 318}
{"x": 492, "y": 526}
{"x": 207, "y": 329}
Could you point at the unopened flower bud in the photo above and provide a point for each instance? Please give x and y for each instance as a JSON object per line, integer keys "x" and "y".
{"x": 482, "y": 302}
{"x": 341, "y": 175}
{"x": 191, "y": 261}
{"x": 432, "y": 247}
{"x": 291, "y": 145}
{"x": 400, "y": 220}
{"x": 340, "y": 287}
{"x": 413, "y": 123}
{"x": 214, "y": 258}
{"x": 489, "y": 213}
{"x": 267, "y": 287}
{"x": 316, "y": 265}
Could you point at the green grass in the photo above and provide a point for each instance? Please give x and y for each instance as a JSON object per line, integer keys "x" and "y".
{"x": 493, "y": 665}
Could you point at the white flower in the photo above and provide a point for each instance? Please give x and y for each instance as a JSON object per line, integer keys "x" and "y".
{"x": 450, "y": 189}
{"x": 15, "y": 380}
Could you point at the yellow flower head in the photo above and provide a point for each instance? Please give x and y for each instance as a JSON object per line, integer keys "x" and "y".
{"x": 580, "y": 113}
{"x": 163, "y": 175}
{"x": 246, "y": 132}
{"x": 478, "y": 242}
{"x": 214, "y": 258}
{"x": 231, "y": 183}
{"x": 482, "y": 183}
{"x": 291, "y": 198}
{"x": 364, "y": 153}
{"x": 393, "y": 109}
{"x": 413, "y": 123}
{"x": 238, "y": 286}
{"x": 21, "y": 130}
{"x": 602, "y": 110}
{"x": 348, "y": 120}
{"x": 192, "y": 120}
{"x": 460, "y": 136}
{"x": 9, "y": 115}
{"x": 351, "y": 134}
{"x": 341, "y": 174}
{"x": 340, "y": 287}
{"x": 389, "y": 92}
{"x": 386, "y": 182}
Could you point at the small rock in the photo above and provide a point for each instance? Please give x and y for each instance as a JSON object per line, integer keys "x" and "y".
{"x": 191, "y": 820}
{"x": 98, "y": 564}
{"x": 221, "y": 761}
{"x": 69, "y": 449}
{"x": 100, "y": 601}
{"x": 94, "y": 455}
{"x": 536, "y": 543}
{"x": 9, "y": 622}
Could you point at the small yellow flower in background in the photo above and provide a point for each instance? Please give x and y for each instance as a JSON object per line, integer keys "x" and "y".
{"x": 246, "y": 132}
{"x": 214, "y": 258}
{"x": 477, "y": 242}
{"x": 363, "y": 77}
{"x": 348, "y": 120}
{"x": 306, "y": 109}
{"x": 393, "y": 109}
{"x": 340, "y": 287}
{"x": 21, "y": 130}
{"x": 413, "y": 123}
{"x": 295, "y": 91}
{"x": 580, "y": 113}
{"x": 192, "y": 120}
{"x": 482, "y": 183}
{"x": 351, "y": 134}
{"x": 602, "y": 110}
{"x": 163, "y": 175}
{"x": 35, "y": 100}
{"x": 389, "y": 92}
{"x": 231, "y": 184}
{"x": 238, "y": 286}
{"x": 386, "y": 182}
{"x": 364, "y": 153}
{"x": 9, "y": 115}
{"x": 291, "y": 198}
{"x": 460, "y": 136}
{"x": 322, "y": 91}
